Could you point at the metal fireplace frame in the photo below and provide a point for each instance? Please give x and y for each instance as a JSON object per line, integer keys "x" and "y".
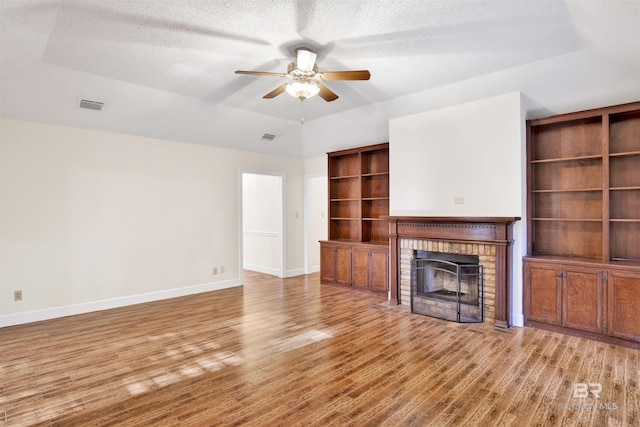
{"x": 459, "y": 270}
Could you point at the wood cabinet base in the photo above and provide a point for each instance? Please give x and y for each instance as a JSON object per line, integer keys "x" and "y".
{"x": 583, "y": 334}
{"x": 600, "y": 301}
{"x": 358, "y": 266}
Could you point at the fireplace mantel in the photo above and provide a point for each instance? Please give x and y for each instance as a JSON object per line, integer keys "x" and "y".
{"x": 497, "y": 231}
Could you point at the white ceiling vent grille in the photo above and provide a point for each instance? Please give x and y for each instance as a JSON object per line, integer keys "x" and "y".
{"x": 268, "y": 137}
{"x": 90, "y": 105}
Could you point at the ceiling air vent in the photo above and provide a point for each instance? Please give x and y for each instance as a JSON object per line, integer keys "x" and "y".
{"x": 268, "y": 137}
{"x": 90, "y": 105}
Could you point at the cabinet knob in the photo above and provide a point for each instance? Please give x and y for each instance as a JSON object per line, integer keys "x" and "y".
{"x": 559, "y": 274}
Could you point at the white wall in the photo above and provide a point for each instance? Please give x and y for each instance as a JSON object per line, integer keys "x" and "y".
{"x": 473, "y": 151}
{"x": 93, "y": 220}
{"x": 316, "y": 219}
{"x": 469, "y": 151}
{"x": 316, "y": 165}
{"x": 317, "y": 222}
{"x": 262, "y": 223}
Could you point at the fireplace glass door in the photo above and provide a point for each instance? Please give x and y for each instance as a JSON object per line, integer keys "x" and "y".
{"x": 447, "y": 286}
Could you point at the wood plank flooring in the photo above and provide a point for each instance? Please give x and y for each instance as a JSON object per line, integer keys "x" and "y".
{"x": 296, "y": 353}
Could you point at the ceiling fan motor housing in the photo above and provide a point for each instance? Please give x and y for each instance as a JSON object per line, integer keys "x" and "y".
{"x": 294, "y": 72}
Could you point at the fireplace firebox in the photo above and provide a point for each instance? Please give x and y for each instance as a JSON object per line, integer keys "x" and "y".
{"x": 447, "y": 286}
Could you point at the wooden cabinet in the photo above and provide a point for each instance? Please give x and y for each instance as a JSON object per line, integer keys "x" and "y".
{"x": 544, "y": 299}
{"x": 362, "y": 267}
{"x": 335, "y": 263}
{"x": 583, "y": 179}
{"x": 601, "y": 300}
{"x": 358, "y": 219}
{"x": 566, "y": 296}
{"x": 624, "y": 186}
{"x": 623, "y": 308}
{"x": 582, "y": 298}
{"x": 370, "y": 269}
{"x": 359, "y": 194}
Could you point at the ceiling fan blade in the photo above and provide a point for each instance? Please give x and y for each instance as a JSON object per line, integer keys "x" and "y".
{"x": 261, "y": 73}
{"x": 277, "y": 91}
{"x": 346, "y": 75}
{"x": 326, "y": 94}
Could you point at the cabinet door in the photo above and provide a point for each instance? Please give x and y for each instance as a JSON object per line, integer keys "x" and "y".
{"x": 327, "y": 263}
{"x": 582, "y": 299}
{"x": 343, "y": 265}
{"x": 623, "y": 305}
{"x": 370, "y": 269}
{"x": 379, "y": 271}
{"x": 360, "y": 268}
{"x": 544, "y": 291}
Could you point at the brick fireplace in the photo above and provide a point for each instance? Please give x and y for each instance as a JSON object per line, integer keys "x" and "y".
{"x": 488, "y": 238}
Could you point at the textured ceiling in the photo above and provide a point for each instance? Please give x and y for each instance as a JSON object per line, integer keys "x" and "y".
{"x": 177, "y": 58}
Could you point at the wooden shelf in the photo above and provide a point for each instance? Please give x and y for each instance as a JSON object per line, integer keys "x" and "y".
{"x": 584, "y": 169}
{"x": 570, "y": 190}
{"x": 567, "y": 159}
{"x": 628, "y": 153}
{"x": 345, "y": 177}
{"x": 580, "y": 136}
{"x": 359, "y": 193}
{"x": 567, "y": 219}
{"x": 582, "y": 272}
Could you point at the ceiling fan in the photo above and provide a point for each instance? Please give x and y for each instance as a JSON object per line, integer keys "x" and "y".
{"x": 305, "y": 80}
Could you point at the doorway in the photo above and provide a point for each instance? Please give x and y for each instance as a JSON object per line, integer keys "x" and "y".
{"x": 262, "y": 223}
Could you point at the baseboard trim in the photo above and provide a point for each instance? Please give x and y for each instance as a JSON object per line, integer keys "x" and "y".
{"x": 70, "y": 310}
{"x": 273, "y": 271}
{"x": 517, "y": 320}
{"x": 261, "y": 269}
{"x": 296, "y": 272}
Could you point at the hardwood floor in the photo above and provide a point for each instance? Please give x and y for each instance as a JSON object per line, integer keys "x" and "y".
{"x": 294, "y": 352}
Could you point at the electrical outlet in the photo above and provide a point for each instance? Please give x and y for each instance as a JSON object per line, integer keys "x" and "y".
{"x": 215, "y": 270}
{"x": 221, "y": 269}
{"x": 17, "y": 295}
{"x": 458, "y": 200}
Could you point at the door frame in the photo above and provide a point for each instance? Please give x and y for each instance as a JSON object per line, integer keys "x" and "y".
{"x": 283, "y": 240}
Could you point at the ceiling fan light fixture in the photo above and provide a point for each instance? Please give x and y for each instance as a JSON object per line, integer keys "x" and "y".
{"x": 304, "y": 79}
{"x": 302, "y": 90}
